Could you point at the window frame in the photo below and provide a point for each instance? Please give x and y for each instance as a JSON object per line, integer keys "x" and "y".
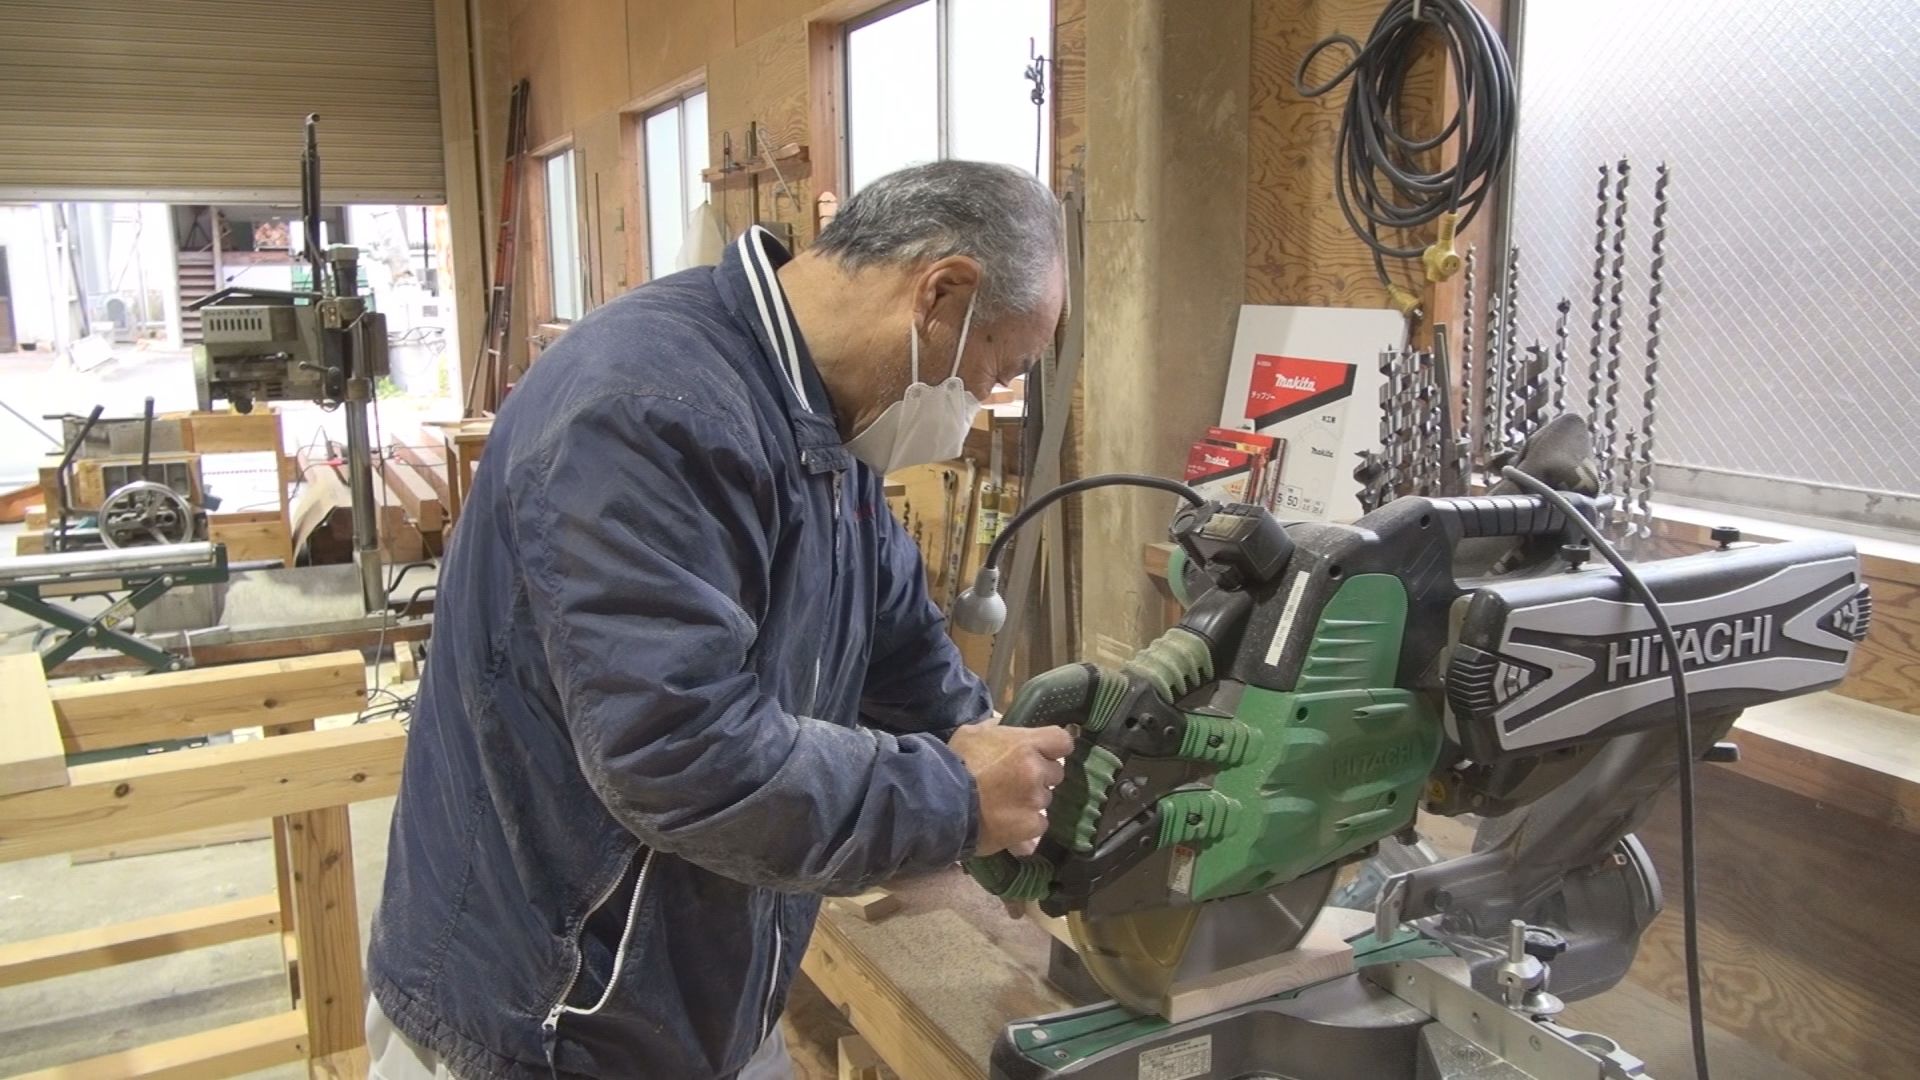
{"x": 676, "y": 100}
{"x": 943, "y": 96}
{"x": 546, "y": 156}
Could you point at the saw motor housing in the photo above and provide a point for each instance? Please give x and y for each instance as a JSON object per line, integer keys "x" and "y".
{"x": 1329, "y": 680}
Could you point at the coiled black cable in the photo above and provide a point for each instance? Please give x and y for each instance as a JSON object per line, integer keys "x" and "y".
{"x": 1378, "y": 176}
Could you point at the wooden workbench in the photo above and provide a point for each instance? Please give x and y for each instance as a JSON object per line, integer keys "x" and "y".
{"x": 931, "y": 985}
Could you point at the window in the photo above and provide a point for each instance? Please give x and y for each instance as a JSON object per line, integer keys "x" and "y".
{"x": 676, "y": 152}
{"x": 945, "y": 79}
{"x": 1801, "y": 399}
{"x": 563, "y": 237}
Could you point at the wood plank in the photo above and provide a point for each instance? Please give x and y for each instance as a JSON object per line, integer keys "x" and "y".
{"x": 431, "y": 462}
{"x": 857, "y": 1060}
{"x": 17, "y": 503}
{"x": 867, "y": 906}
{"x": 140, "y": 939}
{"x": 252, "y": 537}
{"x": 897, "y": 1027}
{"x": 417, "y": 496}
{"x": 326, "y": 927}
{"x": 31, "y": 755}
{"x": 1321, "y": 955}
{"x": 226, "y": 1051}
{"x": 406, "y": 667}
{"x": 205, "y": 701}
{"x": 229, "y": 432}
{"x": 158, "y": 794}
{"x": 237, "y": 833}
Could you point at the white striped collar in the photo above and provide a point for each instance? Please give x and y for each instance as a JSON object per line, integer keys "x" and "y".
{"x": 771, "y": 299}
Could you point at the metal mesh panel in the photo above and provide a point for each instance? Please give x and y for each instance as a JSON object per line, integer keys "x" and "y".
{"x": 1791, "y": 331}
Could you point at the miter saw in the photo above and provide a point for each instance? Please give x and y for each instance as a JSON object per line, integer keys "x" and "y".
{"x": 1457, "y": 655}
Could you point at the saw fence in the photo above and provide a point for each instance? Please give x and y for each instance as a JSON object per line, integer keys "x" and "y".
{"x": 302, "y": 778}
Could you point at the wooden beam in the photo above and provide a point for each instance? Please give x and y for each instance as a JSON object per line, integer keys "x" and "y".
{"x": 898, "y": 1029}
{"x": 226, "y": 1051}
{"x": 252, "y": 536}
{"x": 211, "y": 785}
{"x": 237, "y": 833}
{"x": 229, "y": 432}
{"x": 431, "y": 462}
{"x": 205, "y": 701}
{"x": 141, "y": 939}
{"x": 31, "y": 757}
{"x": 1323, "y": 954}
{"x": 414, "y": 493}
{"x": 867, "y": 906}
{"x": 326, "y": 928}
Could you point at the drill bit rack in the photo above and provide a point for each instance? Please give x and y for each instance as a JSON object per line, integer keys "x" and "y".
{"x": 1509, "y": 389}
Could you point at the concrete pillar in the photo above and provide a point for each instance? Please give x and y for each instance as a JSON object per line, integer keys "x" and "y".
{"x": 1167, "y": 108}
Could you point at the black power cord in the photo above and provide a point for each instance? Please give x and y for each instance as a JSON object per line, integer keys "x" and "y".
{"x": 1683, "y": 711}
{"x": 1085, "y": 483}
{"x": 1378, "y": 174}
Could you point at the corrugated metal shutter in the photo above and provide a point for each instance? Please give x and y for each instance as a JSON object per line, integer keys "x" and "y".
{"x": 202, "y": 100}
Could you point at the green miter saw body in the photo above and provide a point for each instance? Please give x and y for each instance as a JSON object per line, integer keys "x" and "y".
{"x": 1327, "y": 681}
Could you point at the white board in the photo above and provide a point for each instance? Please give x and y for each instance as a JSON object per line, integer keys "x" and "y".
{"x": 1311, "y": 376}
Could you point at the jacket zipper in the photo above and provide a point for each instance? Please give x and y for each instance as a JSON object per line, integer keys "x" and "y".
{"x": 550, "y": 1027}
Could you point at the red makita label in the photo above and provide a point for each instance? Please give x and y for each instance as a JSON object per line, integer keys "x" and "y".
{"x": 1284, "y": 386}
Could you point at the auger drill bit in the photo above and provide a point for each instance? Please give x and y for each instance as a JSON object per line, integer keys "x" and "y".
{"x": 1650, "y": 397}
{"x": 1616, "y": 313}
{"x": 1467, "y": 426}
{"x": 1620, "y": 520}
{"x": 1493, "y": 390}
{"x": 1387, "y": 479}
{"x": 1406, "y": 426}
{"x": 1535, "y": 388}
{"x": 1513, "y": 368}
{"x": 1431, "y": 434}
{"x": 1560, "y": 355}
{"x": 1599, "y": 322}
{"x": 1454, "y": 455}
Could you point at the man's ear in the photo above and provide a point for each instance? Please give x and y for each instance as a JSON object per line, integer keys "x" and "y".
{"x": 945, "y": 288}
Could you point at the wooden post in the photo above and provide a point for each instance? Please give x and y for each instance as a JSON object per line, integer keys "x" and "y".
{"x": 326, "y": 927}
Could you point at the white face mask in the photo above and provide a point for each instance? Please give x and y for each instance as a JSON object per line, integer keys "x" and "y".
{"x": 929, "y": 423}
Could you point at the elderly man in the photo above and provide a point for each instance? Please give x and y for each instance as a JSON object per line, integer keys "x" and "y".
{"x": 686, "y": 678}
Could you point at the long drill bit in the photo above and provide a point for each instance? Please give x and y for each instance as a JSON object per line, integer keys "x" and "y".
{"x": 1616, "y": 313}
{"x": 1649, "y": 399}
{"x": 1493, "y": 394}
{"x": 1432, "y": 433}
{"x": 1534, "y": 388}
{"x": 1560, "y": 356}
{"x": 1471, "y": 430}
{"x": 1599, "y": 322}
{"x": 1624, "y": 529}
{"x": 1407, "y": 431}
{"x": 1387, "y": 480}
{"x": 1513, "y": 365}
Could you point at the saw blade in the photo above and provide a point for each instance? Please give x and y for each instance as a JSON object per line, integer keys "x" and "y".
{"x": 1138, "y": 956}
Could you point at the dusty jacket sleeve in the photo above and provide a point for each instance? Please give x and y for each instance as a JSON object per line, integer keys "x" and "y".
{"x": 643, "y": 525}
{"x": 916, "y": 680}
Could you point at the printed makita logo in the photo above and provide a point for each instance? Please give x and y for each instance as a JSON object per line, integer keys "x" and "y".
{"x": 1700, "y": 646}
{"x": 1295, "y": 382}
{"x": 1217, "y": 460}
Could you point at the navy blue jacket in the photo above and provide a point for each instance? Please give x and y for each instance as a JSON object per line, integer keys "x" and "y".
{"x": 684, "y": 678}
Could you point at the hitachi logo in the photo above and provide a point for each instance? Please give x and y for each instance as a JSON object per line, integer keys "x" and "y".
{"x": 1295, "y": 382}
{"x": 1700, "y": 646}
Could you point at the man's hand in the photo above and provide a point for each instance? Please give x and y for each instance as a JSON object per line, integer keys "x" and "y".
{"x": 1016, "y": 770}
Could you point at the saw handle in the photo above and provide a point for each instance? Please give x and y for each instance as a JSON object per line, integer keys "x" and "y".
{"x": 1064, "y": 695}
{"x": 1474, "y": 516}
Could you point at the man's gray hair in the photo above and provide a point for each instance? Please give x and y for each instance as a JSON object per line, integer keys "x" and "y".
{"x": 996, "y": 214}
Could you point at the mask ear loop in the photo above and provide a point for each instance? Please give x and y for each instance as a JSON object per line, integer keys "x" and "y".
{"x": 960, "y": 349}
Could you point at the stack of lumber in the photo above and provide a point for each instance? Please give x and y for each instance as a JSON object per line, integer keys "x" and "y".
{"x": 411, "y": 521}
